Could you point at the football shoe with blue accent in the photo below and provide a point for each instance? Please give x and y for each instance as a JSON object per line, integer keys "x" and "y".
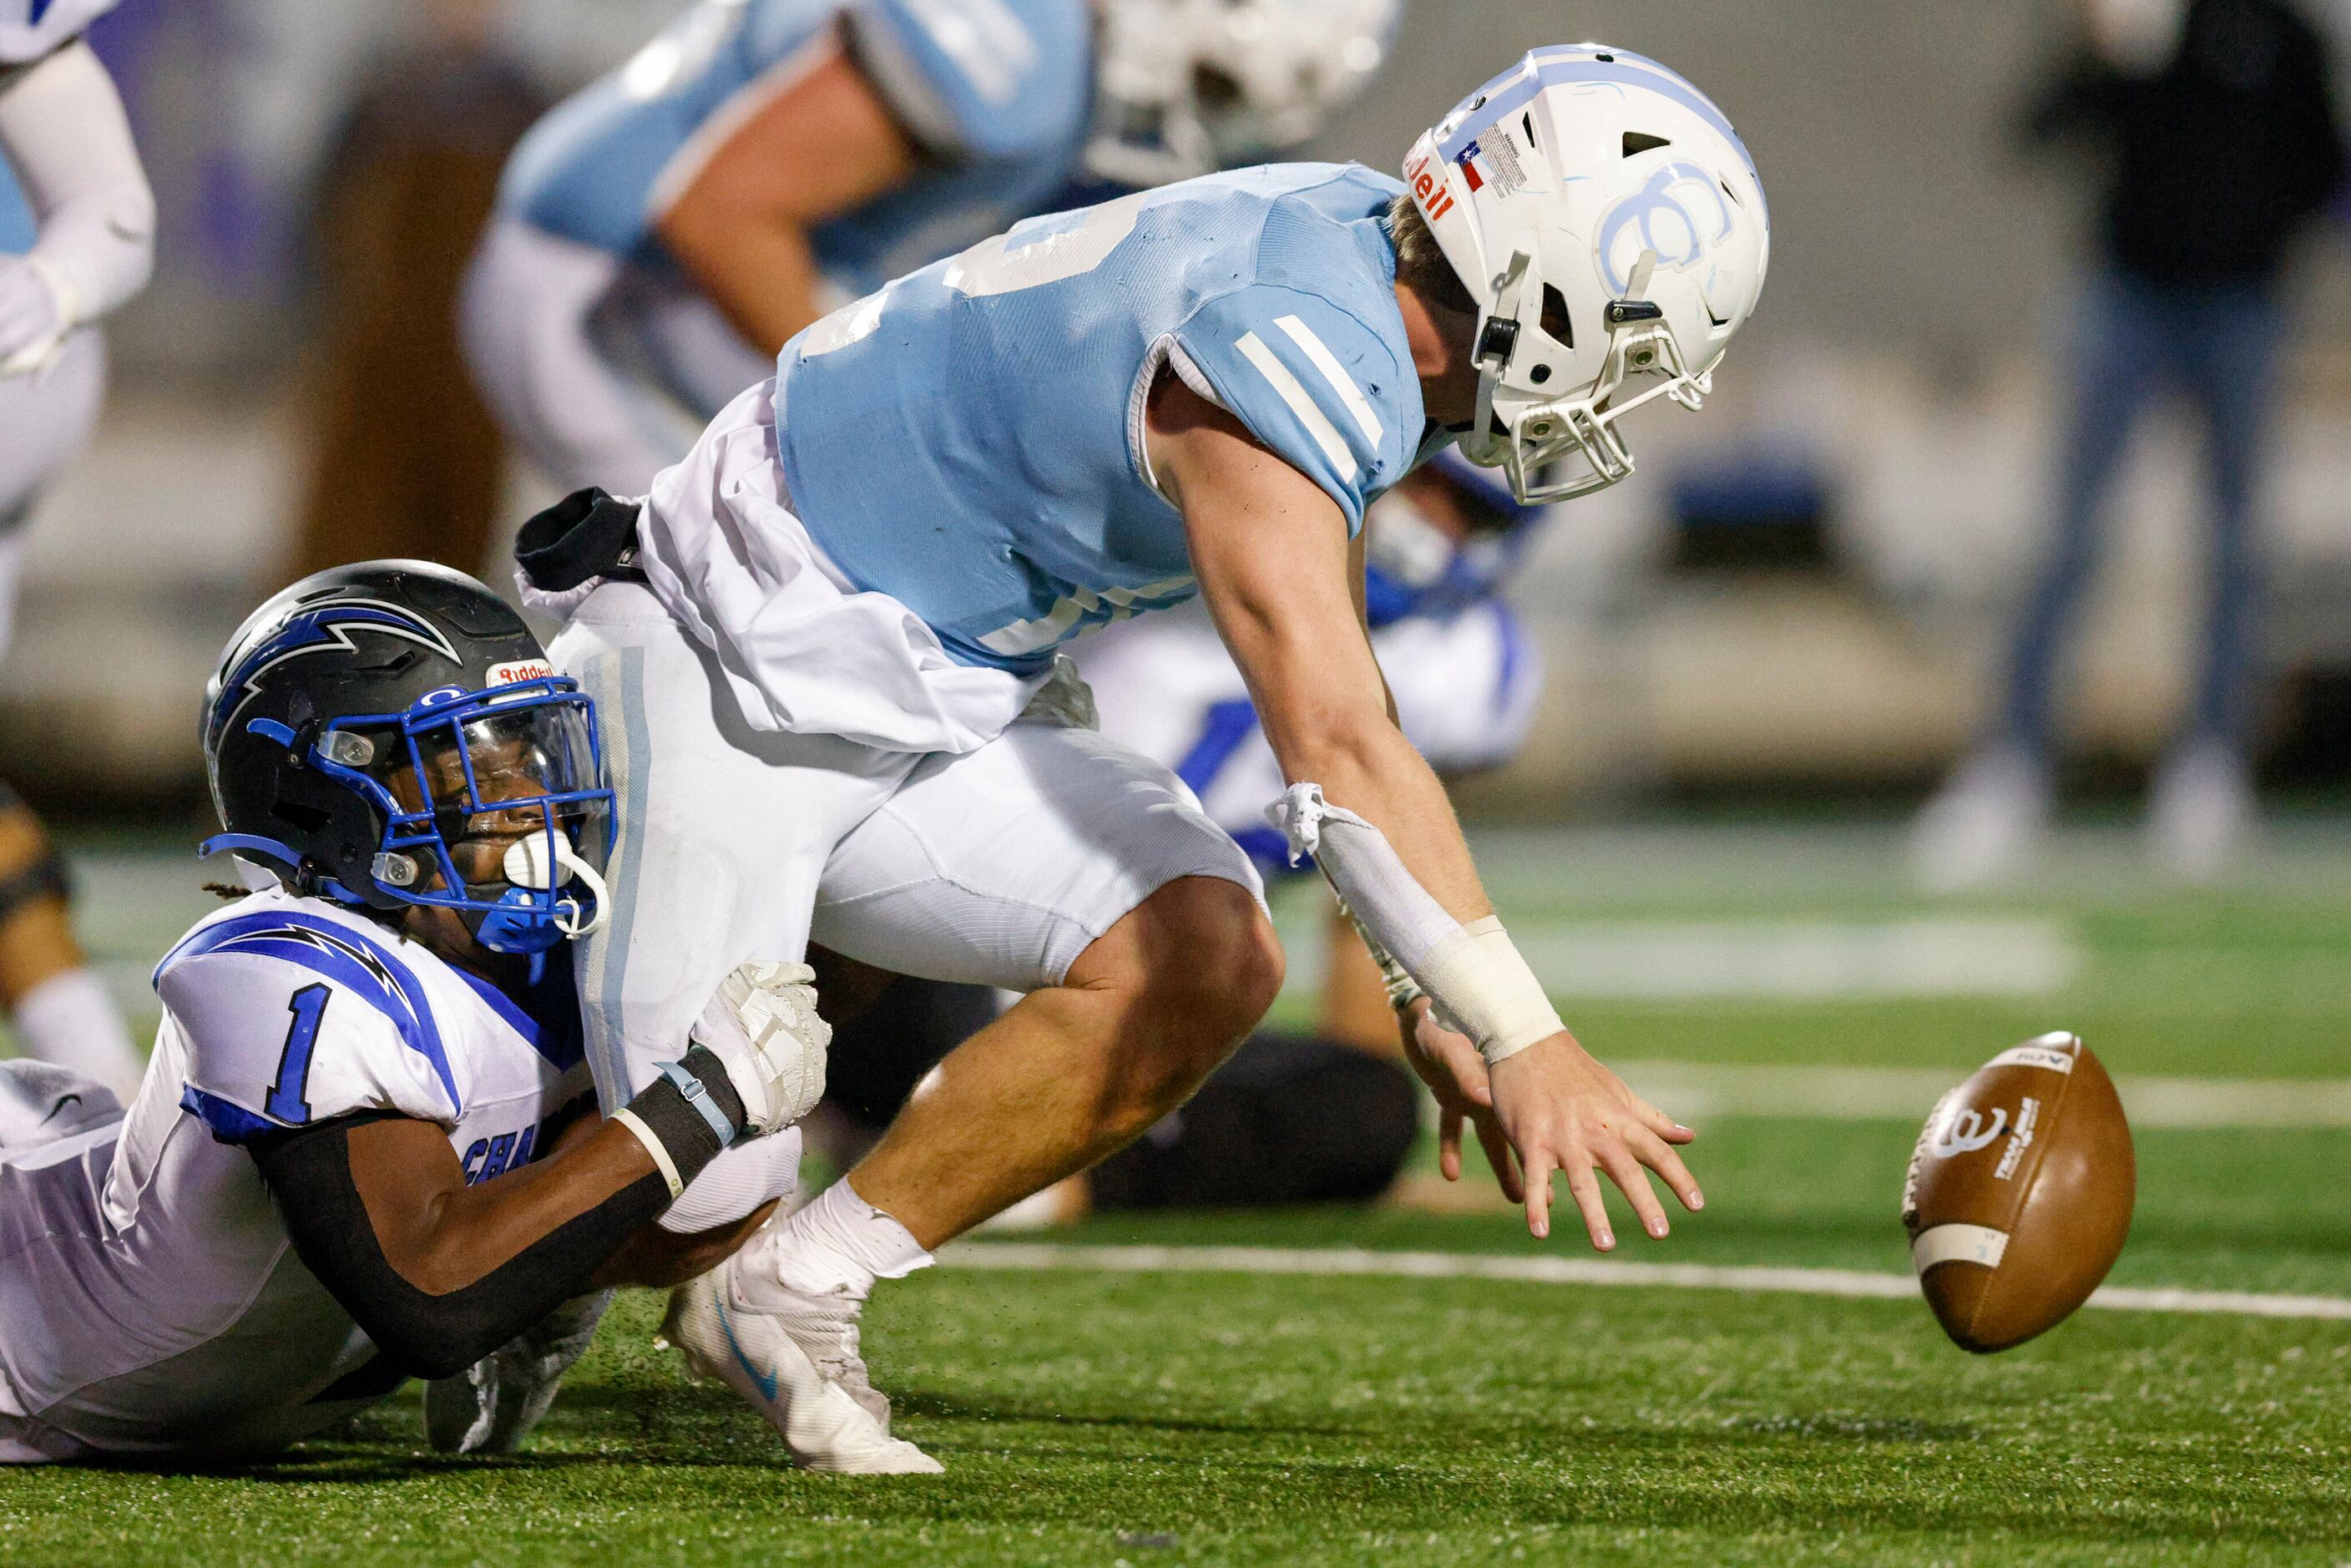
{"x": 800, "y": 1367}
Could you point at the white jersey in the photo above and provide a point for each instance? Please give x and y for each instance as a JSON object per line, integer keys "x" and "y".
{"x": 31, "y": 28}
{"x": 1466, "y": 686}
{"x": 150, "y": 1300}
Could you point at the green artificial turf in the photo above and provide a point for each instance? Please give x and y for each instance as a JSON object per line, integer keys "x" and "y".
{"x": 1097, "y": 1419}
{"x": 1293, "y": 1421}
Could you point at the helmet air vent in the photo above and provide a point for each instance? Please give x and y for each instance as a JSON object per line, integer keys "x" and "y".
{"x": 1555, "y": 319}
{"x": 1639, "y": 141}
{"x": 295, "y": 815}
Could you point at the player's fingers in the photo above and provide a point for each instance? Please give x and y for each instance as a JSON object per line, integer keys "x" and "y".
{"x": 1658, "y": 1156}
{"x": 1535, "y": 1168}
{"x": 1585, "y": 1188}
{"x": 1449, "y": 1146}
{"x": 1499, "y": 1155}
{"x": 1663, "y": 1126}
{"x": 1468, "y": 1072}
{"x": 1627, "y": 1173}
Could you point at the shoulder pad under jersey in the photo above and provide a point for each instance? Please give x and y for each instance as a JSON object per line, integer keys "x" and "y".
{"x": 291, "y": 1015}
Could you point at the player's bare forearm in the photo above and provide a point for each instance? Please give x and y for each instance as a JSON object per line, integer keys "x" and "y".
{"x": 762, "y": 276}
{"x": 1283, "y": 582}
{"x": 740, "y": 225}
{"x": 440, "y": 1273}
{"x": 1273, "y": 556}
{"x": 440, "y": 1234}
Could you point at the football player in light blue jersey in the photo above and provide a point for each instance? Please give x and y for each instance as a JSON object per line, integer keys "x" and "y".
{"x": 1329, "y": 1114}
{"x": 663, "y": 231}
{"x": 367, "y": 1147}
{"x": 77, "y": 229}
{"x": 827, "y": 639}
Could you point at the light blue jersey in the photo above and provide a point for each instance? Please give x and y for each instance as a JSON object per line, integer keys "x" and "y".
{"x": 968, "y": 440}
{"x": 18, "y": 227}
{"x": 998, "y": 92}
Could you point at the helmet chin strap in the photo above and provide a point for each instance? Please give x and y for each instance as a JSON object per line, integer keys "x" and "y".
{"x": 1498, "y": 343}
{"x": 527, "y": 867}
{"x": 1639, "y": 343}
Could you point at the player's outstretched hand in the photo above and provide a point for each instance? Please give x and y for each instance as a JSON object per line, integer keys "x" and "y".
{"x": 764, "y": 1026}
{"x": 1563, "y": 1111}
{"x": 1456, "y": 1074}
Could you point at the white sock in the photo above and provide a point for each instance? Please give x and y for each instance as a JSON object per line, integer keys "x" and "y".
{"x": 837, "y": 1245}
{"x": 69, "y": 1020}
{"x": 742, "y": 1177}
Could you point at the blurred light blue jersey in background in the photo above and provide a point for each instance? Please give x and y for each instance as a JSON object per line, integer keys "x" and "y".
{"x": 999, "y": 95}
{"x": 18, "y": 229}
{"x": 968, "y": 440}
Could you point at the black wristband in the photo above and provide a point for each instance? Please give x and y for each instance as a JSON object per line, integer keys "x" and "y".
{"x": 704, "y": 1064}
{"x": 687, "y": 1141}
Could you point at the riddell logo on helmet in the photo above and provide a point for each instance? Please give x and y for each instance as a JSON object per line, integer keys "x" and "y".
{"x": 1434, "y": 201}
{"x": 528, "y": 670}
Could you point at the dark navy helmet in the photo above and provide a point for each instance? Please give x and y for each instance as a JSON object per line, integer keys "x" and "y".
{"x": 391, "y": 734}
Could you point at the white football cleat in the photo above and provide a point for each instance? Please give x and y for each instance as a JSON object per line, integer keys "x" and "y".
{"x": 492, "y": 1405}
{"x": 2200, "y": 811}
{"x": 780, "y": 1362}
{"x": 1982, "y": 823}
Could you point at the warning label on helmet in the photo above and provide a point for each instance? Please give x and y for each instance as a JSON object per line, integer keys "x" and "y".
{"x": 1501, "y": 166}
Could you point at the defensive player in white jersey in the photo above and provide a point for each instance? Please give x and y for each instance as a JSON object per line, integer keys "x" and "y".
{"x": 367, "y": 1147}
{"x": 77, "y": 239}
{"x": 663, "y": 231}
{"x": 817, "y": 635}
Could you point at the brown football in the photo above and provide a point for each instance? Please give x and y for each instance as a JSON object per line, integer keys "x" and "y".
{"x": 2019, "y": 1193}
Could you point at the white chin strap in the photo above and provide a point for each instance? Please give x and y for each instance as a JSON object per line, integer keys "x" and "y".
{"x": 527, "y": 867}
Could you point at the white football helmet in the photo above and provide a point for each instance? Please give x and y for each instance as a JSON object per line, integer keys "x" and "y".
{"x": 1190, "y": 86}
{"x": 1609, "y": 224}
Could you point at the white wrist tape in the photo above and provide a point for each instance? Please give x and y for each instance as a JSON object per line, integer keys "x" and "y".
{"x": 1472, "y": 973}
{"x": 1402, "y": 988}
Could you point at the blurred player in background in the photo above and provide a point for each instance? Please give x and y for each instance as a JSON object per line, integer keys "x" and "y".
{"x": 77, "y": 239}
{"x": 403, "y": 458}
{"x": 827, "y": 642}
{"x": 2223, "y": 142}
{"x": 369, "y": 1147}
{"x": 666, "y": 229}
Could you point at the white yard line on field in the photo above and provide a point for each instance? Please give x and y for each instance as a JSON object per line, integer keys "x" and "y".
{"x": 1694, "y": 1089}
{"x": 1033, "y": 1255}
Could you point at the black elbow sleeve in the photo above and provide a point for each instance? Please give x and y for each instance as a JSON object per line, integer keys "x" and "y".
{"x": 308, "y": 1173}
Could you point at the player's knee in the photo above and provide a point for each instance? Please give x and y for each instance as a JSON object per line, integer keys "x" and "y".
{"x": 1213, "y": 964}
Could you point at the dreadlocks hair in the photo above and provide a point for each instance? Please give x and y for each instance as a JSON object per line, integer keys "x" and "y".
{"x": 1421, "y": 265}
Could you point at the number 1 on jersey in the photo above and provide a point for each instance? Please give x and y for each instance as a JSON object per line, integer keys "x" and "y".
{"x": 288, "y": 1100}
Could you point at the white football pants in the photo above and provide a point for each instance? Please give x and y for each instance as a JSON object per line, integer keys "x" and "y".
{"x": 997, "y": 866}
